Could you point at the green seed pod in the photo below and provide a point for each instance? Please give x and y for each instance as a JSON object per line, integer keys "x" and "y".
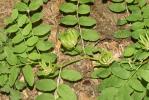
{"x": 106, "y": 58}
{"x": 69, "y": 38}
{"x": 144, "y": 41}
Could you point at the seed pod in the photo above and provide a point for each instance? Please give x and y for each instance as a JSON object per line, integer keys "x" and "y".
{"x": 106, "y": 58}
{"x": 69, "y": 38}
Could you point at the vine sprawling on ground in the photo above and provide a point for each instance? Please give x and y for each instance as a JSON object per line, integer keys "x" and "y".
{"x": 127, "y": 79}
{"x": 27, "y": 52}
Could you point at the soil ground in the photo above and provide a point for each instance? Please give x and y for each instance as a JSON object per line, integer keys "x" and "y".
{"x": 106, "y": 26}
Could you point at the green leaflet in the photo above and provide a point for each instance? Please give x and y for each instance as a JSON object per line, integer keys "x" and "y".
{"x": 117, "y": 7}
{"x": 28, "y": 74}
{"x": 3, "y": 79}
{"x": 141, "y": 55}
{"x": 117, "y": 0}
{"x": 44, "y": 45}
{"x": 138, "y": 95}
{"x": 36, "y": 17}
{"x": 144, "y": 74}
{"x": 71, "y": 75}
{"x": 49, "y": 57}
{"x": 18, "y": 38}
{"x": 42, "y": 29}
{"x": 3, "y": 56}
{"x": 134, "y": 8}
{"x": 137, "y": 25}
{"x": 27, "y": 29}
{"x": 134, "y": 17}
{"x": 45, "y": 85}
{"x": 20, "y": 85}
{"x": 12, "y": 59}
{"x": 87, "y": 21}
{"x": 66, "y": 93}
{"x": 12, "y": 29}
{"x": 22, "y": 20}
{"x": 108, "y": 93}
{"x": 136, "y": 85}
{"x": 4, "y": 68}
{"x": 32, "y": 41}
{"x": 8, "y": 20}
{"x": 137, "y": 33}
{"x": 145, "y": 11}
{"x": 124, "y": 93}
{"x": 34, "y": 5}
{"x": 21, "y": 6}
{"x": 69, "y": 20}
{"x": 14, "y": 14}
{"x": 101, "y": 73}
{"x": 15, "y": 94}
{"x": 45, "y": 96}
{"x": 142, "y": 3}
{"x": 90, "y": 50}
{"x": 20, "y": 48}
{"x": 86, "y": 1}
{"x": 34, "y": 56}
{"x": 90, "y": 35}
{"x": 120, "y": 34}
{"x": 121, "y": 22}
{"x": 119, "y": 71}
{"x": 14, "y": 73}
{"x": 129, "y": 1}
{"x": 68, "y": 7}
{"x": 84, "y": 9}
{"x": 129, "y": 51}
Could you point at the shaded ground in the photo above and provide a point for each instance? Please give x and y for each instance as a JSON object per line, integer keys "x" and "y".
{"x": 106, "y": 25}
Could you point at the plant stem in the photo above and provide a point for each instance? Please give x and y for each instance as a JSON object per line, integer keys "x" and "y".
{"x": 77, "y": 60}
{"x": 133, "y": 74}
{"x": 58, "y": 83}
{"x": 26, "y": 64}
{"x": 79, "y": 27}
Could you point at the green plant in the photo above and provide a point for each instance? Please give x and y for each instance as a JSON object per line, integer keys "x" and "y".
{"x": 24, "y": 47}
{"x": 76, "y": 13}
{"x": 27, "y": 52}
{"x": 127, "y": 78}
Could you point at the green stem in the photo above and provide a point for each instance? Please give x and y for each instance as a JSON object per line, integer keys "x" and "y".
{"x": 58, "y": 83}
{"x": 26, "y": 64}
{"x": 80, "y": 31}
{"x": 132, "y": 74}
{"x": 77, "y": 60}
